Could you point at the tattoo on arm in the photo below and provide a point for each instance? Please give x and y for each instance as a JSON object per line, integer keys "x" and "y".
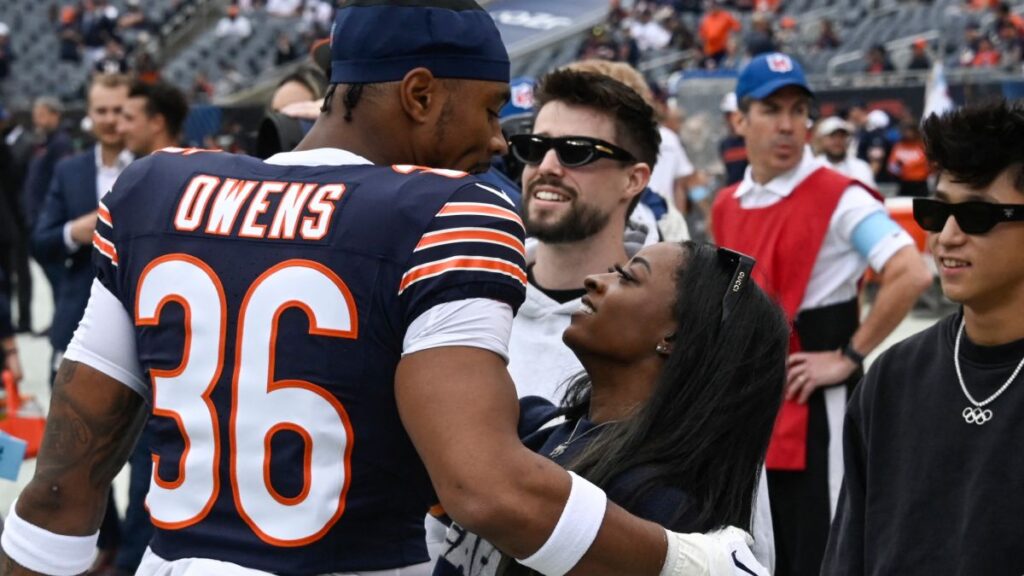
{"x": 91, "y": 429}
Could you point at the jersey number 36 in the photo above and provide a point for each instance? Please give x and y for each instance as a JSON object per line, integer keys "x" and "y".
{"x": 260, "y": 405}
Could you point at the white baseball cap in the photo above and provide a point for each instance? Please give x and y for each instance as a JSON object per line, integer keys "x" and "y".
{"x": 833, "y": 124}
{"x": 876, "y": 119}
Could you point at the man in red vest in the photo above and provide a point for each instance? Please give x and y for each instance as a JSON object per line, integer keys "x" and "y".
{"x": 813, "y": 232}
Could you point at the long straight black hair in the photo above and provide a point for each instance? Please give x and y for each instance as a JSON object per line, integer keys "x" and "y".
{"x": 706, "y": 426}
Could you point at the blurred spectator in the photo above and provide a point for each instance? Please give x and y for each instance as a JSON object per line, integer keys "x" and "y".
{"x": 284, "y": 50}
{"x": 202, "y": 89}
{"x": 788, "y": 36}
{"x": 283, "y": 8}
{"x": 134, "y": 21}
{"x": 649, "y": 34}
{"x": 6, "y": 57}
{"x": 670, "y": 177}
{"x": 873, "y": 147}
{"x": 52, "y": 144}
{"x": 146, "y": 67}
{"x": 317, "y": 16}
{"x": 1010, "y": 40}
{"x": 716, "y": 28}
{"x": 63, "y": 234}
{"x": 1004, "y": 16}
{"x": 114, "y": 60}
{"x": 70, "y": 35}
{"x": 834, "y": 134}
{"x": 234, "y": 24}
{"x": 761, "y": 38}
{"x": 987, "y": 56}
{"x": 733, "y": 149}
{"x": 971, "y": 43}
{"x": 919, "y": 59}
{"x": 878, "y": 60}
{"x": 15, "y": 151}
{"x": 828, "y": 38}
{"x": 98, "y": 23}
{"x": 599, "y": 45}
{"x": 907, "y": 161}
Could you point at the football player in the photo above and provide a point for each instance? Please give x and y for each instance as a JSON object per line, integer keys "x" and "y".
{"x": 316, "y": 333}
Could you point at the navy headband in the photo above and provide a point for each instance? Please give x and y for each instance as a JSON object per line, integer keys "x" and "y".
{"x": 376, "y": 41}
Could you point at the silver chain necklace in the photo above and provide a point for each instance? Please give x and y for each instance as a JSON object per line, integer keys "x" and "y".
{"x": 978, "y": 414}
{"x": 560, "y": 449}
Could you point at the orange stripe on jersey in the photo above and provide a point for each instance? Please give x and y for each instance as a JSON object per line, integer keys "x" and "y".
{"x": 465, "y": 263}
{"x": 105, "y": 247}
{"x": 485, "y": 235}
{"x": 104, "y": 215}
{"x": 479, "y": 209}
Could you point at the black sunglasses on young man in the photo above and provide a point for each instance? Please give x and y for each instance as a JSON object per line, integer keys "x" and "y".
{"x": 741, "y": 266}
{"x": 572, "y": 151}
{"x": 971, "y": 217}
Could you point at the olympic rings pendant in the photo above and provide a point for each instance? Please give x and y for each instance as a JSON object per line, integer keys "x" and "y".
{"x": 976, "y": 415}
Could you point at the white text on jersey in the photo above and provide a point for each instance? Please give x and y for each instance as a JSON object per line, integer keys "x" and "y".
{"x": 212, "y": 205}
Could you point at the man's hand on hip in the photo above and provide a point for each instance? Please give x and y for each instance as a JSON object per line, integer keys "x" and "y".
{"x": 809, "y": 371}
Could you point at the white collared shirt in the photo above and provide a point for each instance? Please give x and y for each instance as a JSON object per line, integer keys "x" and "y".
{"x": 105, "y": 178}
{"x": 838, "y": 266}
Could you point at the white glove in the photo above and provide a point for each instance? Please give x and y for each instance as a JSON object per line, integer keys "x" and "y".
{"x": 724, "y": 552}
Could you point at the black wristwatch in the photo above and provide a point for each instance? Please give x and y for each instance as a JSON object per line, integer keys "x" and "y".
{"x": 852, "y": 354}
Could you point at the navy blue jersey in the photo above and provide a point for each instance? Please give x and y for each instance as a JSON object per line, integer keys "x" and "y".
{"x": 270, "y": 305}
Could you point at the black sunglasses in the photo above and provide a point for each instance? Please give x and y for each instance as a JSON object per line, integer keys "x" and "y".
{"x": 572, "y": 151}
{"x": 741, "y": 266}
{"x": 971, "y": 217}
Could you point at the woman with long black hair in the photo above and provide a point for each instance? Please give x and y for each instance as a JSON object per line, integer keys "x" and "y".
{"x": 685, "y": 363}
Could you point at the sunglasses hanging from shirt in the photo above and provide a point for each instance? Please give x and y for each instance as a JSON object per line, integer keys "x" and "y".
{"x": 971, "y": 217}
{"x": 572, "y": 151}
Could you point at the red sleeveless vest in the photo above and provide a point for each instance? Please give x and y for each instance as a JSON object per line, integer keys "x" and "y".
{"x": 785, "y": 238}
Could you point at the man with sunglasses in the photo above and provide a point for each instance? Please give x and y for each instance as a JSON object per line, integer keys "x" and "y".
{"x": 932, "y": 436}
{"x": 813, "y": 232}
{"x": 585, "y": 165}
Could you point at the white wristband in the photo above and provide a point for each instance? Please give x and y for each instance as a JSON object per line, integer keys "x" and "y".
{"x": 43, "y": 551}
{"x": 575, "y": 531}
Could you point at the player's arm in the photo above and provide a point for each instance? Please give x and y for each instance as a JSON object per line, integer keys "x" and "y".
{"x": 460, "y": 409}
{"x": 93, "y": 423}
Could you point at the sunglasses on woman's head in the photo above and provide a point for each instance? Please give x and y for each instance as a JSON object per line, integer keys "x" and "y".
{"x": 972, "y": 217}
{"x": 572, "y": 151}
{"x": 741, "y": 266}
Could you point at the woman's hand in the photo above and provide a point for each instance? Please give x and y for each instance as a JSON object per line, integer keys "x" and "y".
{"x": 809, "y": 371}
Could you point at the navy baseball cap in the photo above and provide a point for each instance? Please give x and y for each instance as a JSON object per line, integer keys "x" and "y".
{"x": 767, "y": 73}
{"x": 382, "y": 40}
